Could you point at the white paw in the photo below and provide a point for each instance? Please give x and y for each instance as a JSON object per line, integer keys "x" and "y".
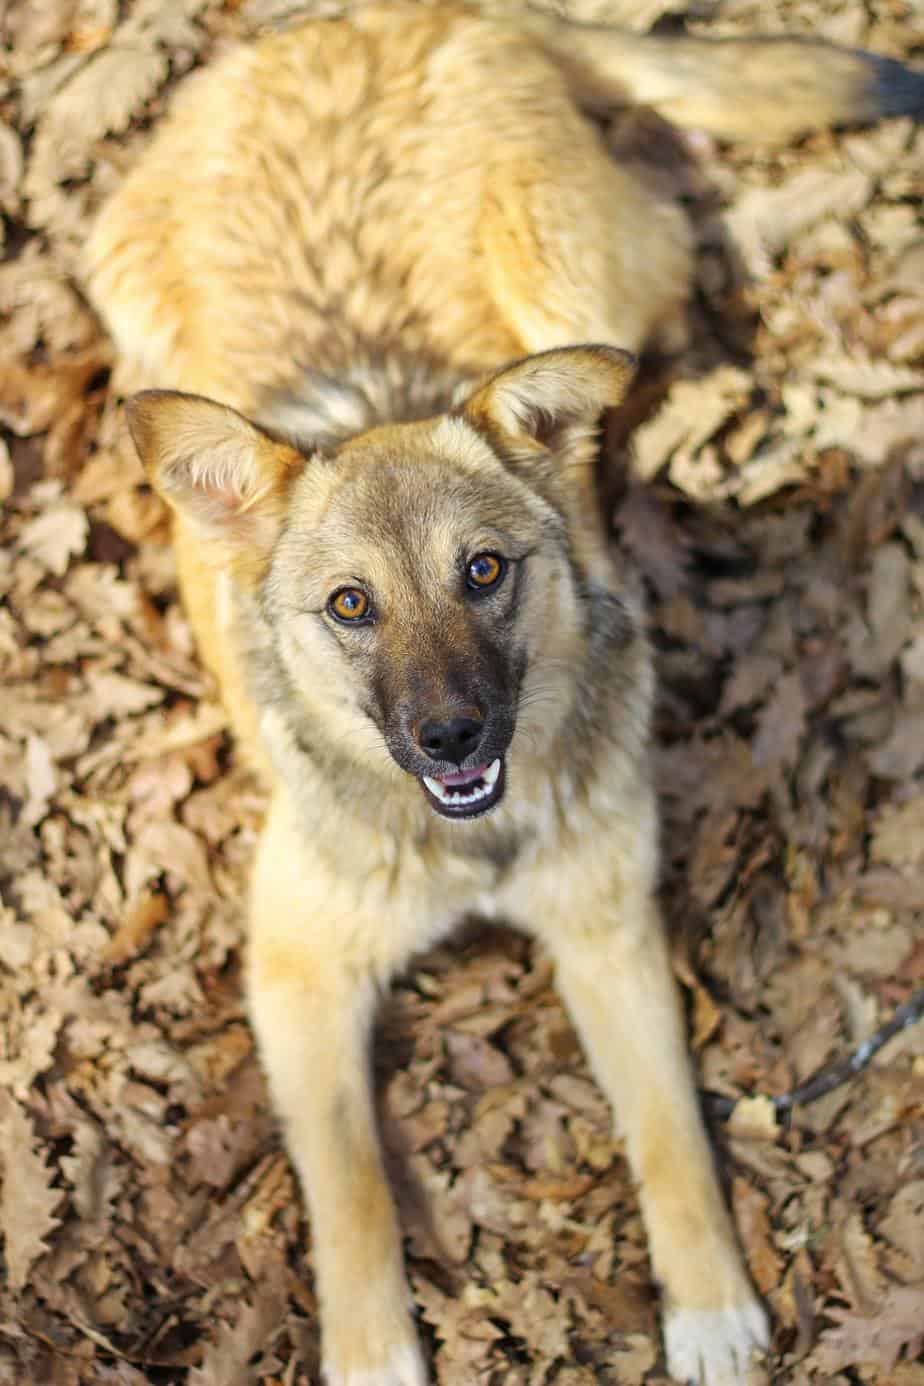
{"x": 402, "y": 1367}
{"x": 717, "y": 1347}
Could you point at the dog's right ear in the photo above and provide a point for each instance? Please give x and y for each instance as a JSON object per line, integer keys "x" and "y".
{"x": 554, "y": 401}
{"x": 220, "y": 472}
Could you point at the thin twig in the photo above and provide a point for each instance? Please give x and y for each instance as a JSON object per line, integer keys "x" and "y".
{"x": 832, "y": 1075}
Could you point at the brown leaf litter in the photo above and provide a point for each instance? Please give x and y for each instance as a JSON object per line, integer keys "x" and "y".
{"x": 151, "y": 1229}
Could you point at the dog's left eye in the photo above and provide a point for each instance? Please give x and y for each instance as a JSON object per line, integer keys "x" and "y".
{"x": 485, "y": 570}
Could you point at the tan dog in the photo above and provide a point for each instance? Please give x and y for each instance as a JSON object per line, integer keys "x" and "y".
{"x": 399, "y": 573}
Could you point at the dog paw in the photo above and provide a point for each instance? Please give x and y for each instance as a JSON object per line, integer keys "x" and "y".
{"x": 402, "y": 1367}
{"x": 717, "y": 1347}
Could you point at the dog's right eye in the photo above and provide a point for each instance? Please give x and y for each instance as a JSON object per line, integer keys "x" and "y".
{"x": 349, "y": 605}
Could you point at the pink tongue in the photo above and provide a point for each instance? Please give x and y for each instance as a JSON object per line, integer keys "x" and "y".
{"x": 462, "y": 777}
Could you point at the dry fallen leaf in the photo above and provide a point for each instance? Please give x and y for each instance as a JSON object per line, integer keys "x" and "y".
{"x": 766, "y": 220}
{"x": 102, "y": 96}
{"x": 753, "y": 1223}
{"x": 898, "y": 833}
{"x": 897, "y": 1328}
{"x": 56, "y": 536}
{"x": 692, "y": 413}
{"x": 754, "y": 1118}
{"x": 27, "y": 1199}
{"x": 903, "y": 1227}
{"x": 33, "y": 397}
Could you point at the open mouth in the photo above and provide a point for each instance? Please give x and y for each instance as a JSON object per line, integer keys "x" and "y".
{"x": 466, "y": 793}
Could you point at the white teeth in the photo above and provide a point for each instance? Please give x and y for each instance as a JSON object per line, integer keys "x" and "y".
{"x": 460, "y": 796}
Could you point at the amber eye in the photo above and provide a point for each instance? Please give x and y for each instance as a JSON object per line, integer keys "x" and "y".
{"x": 349, "y": 604}
{"x": 485, "y": 570}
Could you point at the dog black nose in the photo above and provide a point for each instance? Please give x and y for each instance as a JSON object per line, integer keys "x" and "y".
{"x": 452, "y": 740}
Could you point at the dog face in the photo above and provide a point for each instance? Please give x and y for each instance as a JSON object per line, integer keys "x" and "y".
{"x": 419, "y": 586}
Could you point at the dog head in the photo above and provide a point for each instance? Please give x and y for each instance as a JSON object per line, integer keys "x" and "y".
{"x": 421, "y": 586}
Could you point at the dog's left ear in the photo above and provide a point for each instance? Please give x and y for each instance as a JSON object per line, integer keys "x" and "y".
{"x": 552, "y": 401}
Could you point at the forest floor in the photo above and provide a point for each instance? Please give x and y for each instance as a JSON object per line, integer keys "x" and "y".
{"x": 151, "y": 1227}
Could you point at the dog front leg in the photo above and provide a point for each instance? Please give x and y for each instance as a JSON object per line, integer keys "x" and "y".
{"x": 618, "y": 985}
{"x": 312, "y": 1003}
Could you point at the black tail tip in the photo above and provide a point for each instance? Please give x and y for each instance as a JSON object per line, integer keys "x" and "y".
{"x": 894, "y": 90}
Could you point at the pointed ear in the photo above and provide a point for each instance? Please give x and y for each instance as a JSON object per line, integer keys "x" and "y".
{"x": 554, "y": 400}
{"x": 217, "y": 470}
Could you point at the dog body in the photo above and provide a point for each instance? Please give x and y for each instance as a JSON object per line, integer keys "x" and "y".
{"x": 399, "y": 574}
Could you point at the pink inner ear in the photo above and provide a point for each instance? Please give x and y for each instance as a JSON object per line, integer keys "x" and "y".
{"x": 238, "y": 514}
{"x": 222, "y": 496}
{"x": 225, "y": 499}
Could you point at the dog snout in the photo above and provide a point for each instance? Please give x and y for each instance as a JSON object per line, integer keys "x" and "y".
{"x": 453, "y": 738}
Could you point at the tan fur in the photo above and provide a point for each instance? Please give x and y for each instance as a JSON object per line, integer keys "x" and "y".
{"x": 346, "y": 232}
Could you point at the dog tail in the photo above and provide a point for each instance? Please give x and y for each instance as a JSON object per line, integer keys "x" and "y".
{"x": 739, "y": 89}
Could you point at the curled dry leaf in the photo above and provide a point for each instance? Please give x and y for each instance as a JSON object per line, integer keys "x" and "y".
{"x": 27, "y": 1199}
{"x": 691, "y": 415}
{"x": 754, "y": 1118}
{"x": 753, "y": 1222}
{"x": 229, "y": 1357}
{"x": 56, "y": 536}
{"x": 903, "y": 1227}
{"x": 865, "y": 378}
{"x": 898, "y": 833}
{"x": 7, "y": 478}
{"x": 11, "y": 166}
{"x": 874, "y": 1341}
{"x": 142, "y": 918}
{"x": 102, "y": 96}
{"x": 33, "y": 397}
{"x": 766, "y": 220}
